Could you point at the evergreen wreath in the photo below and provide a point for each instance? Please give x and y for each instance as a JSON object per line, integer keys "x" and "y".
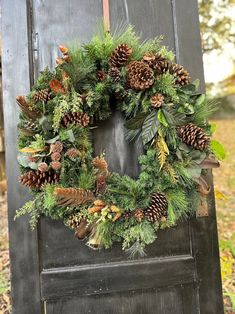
{"x": 163, "y": 110}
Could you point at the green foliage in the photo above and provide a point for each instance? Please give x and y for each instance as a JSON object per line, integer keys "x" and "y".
{"x": 33, "y": 208}
{"x": 165, "y": 84}
{"x": 150, "y": 127}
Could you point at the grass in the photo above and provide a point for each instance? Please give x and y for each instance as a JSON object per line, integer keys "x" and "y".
{"x": 224, "y": 180}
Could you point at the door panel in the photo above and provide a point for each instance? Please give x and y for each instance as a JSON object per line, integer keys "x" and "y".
{"x": 161, "y": 301}
{"x": 58, "y": 241}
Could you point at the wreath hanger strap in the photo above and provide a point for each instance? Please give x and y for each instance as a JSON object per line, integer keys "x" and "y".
{"x": 106, "y": 15}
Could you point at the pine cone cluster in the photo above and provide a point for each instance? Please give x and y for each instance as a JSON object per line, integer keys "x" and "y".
{"x": 115, "y": 74}
{"x": 120, "y": 55}
{"x": 194, "y": 136}
{"x": 36, "y": 179}
{"x": 181, "y": 75}
{"x": 157, "y": 209}
{"x": 42, "y": 95}
{"x": 139, "y": 75}
{"x": 80, "y": 119}
{"x": 156, "y": 62}
{"x": 157, "y": 100}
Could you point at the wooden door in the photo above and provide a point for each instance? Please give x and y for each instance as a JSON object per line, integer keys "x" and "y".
{"x": 52, "y": 272}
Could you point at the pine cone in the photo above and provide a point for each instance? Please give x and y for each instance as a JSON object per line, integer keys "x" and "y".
{"x": 36, "y": 179}
{"x": 43, "y": 167}
{"x": 42, "y": 95}
{"x": 194, "y": 136}
{"x": 181, "y": 75}
{"x": 120, "y": 55}
{"x": 56, "y": 156}
{"x": 80, "y": 119}
{"x": 57, "y": 147}
{"x": 56, "y": 165}
{"x": 157, "y": 62}
{"x": 101, "y": 184}
{"x": 101, "y": 76}
{"x": 157, "y": 209}
{"x": 157, "y": 100}
{"x": 72, "y": 153}
{"x": 73, "y": 222}
{"x": 100, "y": 163}
{"x": 115, "y": 74}
{"x": 28, "y": 128}
{"x": 139, "y": 214}
{"x": 139, "y": 75}
{"x": 127, "y": 214}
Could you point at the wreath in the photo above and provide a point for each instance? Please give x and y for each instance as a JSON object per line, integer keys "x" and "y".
{"x": 163, "y": 111}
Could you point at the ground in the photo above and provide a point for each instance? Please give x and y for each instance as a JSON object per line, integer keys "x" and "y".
{"x": 224, "y": 180}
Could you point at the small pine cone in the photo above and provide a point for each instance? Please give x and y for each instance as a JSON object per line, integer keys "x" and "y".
{"x": 101, "y": 184}
{"x": 28, "y": 128}
{"x": 127, "y": 214}
{"x": 157, "y": 100}
{"x": 120, "y": 55}
{"x": 43, "y": 167}
{"x": 100, "y": 163}
{"x": 115, "y": 74}
{"x": 101, "y": 76}
{"x": 72, "y": 153}
{"x": 73, "y": 222}
{"x": 56, "y": 165}
{"x": 157, "y": 62}
{"x": 181, "y": 75}
{"x": 36, "y": 179}
{"x": 194, "y": 136}
{"x": 32, "y": 158}
{"x": 57, "y": 147}
{"x": 56, "y": 156}
{"x": 139, "y": 75}
{"x": 80, "y": 119}
{"x": 42, "y": 95}
{"x": 139, "y": 214}
{"x": 157, "y": 209}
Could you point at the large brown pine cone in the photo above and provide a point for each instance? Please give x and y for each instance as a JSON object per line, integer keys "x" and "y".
{"x": 80, "y": 119}
{"x": 139, "y": 75}
{"x": 36, "y": 179}
{"x": 157, "y": 209}
{"x": 120, "y": 55}
{"x": 194, "y": 136}
{"x": 42, "y": 95}
{"x": 181, "y": 75}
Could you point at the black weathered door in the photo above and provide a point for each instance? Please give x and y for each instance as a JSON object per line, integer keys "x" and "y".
{"x": 52, "y": 272}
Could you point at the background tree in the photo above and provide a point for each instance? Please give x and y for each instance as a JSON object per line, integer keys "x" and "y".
{"x": 217, "y": 24}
